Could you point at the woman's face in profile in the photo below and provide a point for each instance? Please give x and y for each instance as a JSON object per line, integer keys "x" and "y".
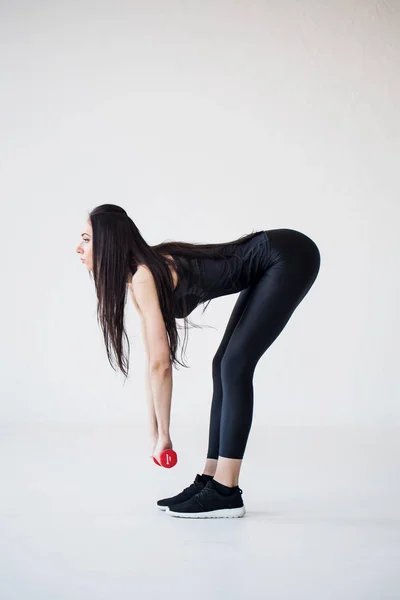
{"x": 84, "y": 248}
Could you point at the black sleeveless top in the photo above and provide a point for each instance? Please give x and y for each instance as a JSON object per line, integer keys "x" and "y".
{"x": 204, "y": 278}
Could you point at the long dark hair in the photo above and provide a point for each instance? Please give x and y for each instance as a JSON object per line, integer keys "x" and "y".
{"x": 118, "y": 248}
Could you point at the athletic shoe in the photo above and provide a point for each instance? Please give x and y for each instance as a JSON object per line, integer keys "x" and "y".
{"x": 195, "y": 487}
{"x": 210, "y": 503}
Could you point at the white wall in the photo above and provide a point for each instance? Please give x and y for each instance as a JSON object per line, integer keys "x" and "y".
{"x": 204, "y": 120}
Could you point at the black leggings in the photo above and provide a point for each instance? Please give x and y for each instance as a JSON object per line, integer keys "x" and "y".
{"x": 259, "y": 315}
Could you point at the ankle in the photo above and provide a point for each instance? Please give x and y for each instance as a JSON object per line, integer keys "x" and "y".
{"x": 227, "y": 481}
{"x": 226, "y": 490}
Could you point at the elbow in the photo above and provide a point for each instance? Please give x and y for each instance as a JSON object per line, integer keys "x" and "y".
{"x": 160, "y": 366}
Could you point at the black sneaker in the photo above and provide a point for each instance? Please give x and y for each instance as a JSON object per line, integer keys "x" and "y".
{"x": 209, "y": 503}
{"x": 194, "y": 488}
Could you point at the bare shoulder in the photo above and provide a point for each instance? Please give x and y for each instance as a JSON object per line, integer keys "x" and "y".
{"x": 143, "y": 275}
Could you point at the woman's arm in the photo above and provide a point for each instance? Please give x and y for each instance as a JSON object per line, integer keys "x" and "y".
{"x": 153, "y": 428}
{"x": 161, "y": 387}
{"x": 161, "y": 380}
{"x": 159, "y": 368}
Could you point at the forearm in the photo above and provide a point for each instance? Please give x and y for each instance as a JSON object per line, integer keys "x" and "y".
{"x": 161, "y": 387}
{"x": 153, "y": 428}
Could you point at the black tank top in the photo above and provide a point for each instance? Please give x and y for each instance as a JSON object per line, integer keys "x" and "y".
{"x": 204, "y": 278}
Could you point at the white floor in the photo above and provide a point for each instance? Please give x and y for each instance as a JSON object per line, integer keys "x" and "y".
{"x": 78, "y": 517}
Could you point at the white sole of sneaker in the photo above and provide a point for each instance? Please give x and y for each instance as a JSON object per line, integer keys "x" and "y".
{"x": 223, "y": 513}
{"x": 161, "y": 507}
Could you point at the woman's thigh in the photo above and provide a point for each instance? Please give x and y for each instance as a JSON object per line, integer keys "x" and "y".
{"x": 268, "y": 305}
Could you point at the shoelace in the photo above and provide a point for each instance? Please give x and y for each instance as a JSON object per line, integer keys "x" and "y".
{"x": 208, "y": 491}
{"x": 192, "y": 486}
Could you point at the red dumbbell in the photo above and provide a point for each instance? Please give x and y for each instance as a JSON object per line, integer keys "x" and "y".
{"x": 168, "y": 459}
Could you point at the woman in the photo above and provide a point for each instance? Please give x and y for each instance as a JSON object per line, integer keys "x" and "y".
{"x": 273, "y": 270}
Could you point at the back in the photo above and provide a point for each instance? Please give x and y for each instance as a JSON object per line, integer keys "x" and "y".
{"x": 204, "y": 278}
